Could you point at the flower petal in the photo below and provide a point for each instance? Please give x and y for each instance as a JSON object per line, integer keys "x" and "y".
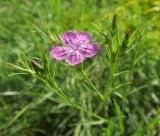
{"x": 60, "y": 53}
{"x": 75, "y": 58}
{"x": 84, "y": 37}
{"x": 68, "y": 36}
{"x": 89, "y": 50}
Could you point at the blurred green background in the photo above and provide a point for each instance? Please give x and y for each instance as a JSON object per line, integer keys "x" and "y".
{"x": 131, "y": 109}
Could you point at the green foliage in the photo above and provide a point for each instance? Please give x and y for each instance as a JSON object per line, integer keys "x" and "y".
{"x": 116, "y": 93}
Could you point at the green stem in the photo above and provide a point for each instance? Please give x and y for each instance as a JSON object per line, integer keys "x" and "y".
{"x": 93, "y": 114}
{"x": 78, "y": 107}
{"x": 58, "y": 90}
{"x": 112, "y": 70}
{"x": 63, "y": 94}
{"x": 91, "y": 85}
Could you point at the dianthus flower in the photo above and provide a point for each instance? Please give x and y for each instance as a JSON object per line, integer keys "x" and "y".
{"x": 76, "y": 47}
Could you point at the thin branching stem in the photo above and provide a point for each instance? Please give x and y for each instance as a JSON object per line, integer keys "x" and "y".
{"x": 91, "y": 84}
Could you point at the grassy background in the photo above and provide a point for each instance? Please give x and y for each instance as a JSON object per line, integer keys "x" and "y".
{"x": 130, "y": 83}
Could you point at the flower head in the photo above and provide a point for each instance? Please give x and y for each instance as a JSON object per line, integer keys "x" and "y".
{"x": 76, "y": 47}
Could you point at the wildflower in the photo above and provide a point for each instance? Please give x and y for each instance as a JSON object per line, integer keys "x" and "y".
{"x": 76, "y": 47}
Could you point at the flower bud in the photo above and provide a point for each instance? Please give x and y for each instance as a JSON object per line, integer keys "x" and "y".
{"x": 37, "y": 67}
{"x": 53, "y": 40}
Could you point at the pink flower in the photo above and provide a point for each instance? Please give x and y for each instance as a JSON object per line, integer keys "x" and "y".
{"x": 76, "y": 47}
